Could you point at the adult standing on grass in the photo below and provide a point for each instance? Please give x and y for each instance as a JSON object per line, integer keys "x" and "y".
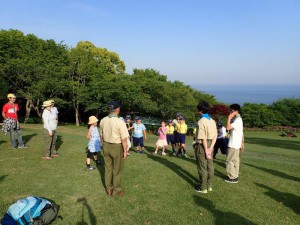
{"x": 54, "y": 113}
{"x": 205, "y": 139}
{"x": 235, "y": 144}
{"x": 114, "y": 134}
{"x": 49, "y": 131}
{"x": 11, "y": 123}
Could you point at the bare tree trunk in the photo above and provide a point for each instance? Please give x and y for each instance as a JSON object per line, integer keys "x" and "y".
{"x": 28, "y": 109}
{"x": 76, "y": 107}
{"x": 36, "y": 107}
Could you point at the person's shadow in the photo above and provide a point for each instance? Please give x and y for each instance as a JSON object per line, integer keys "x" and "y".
{"x": 176, "y": 169}
{"x": 2, "y": 177}
{"x": 101, "y": 169}
{"x": 1, "y": 142}
{"x": 59, "y": 142}
{"x": 289, "y": 200}
{"x": 275, "y": 173}
{"x": 219, "y": 216}
{"x": 86, "y": 206}
{"x": 26, "y": 138}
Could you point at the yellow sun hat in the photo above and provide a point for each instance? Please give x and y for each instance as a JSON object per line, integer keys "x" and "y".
{"x": 10, "y": 95}
{"x": 93, "y": 119}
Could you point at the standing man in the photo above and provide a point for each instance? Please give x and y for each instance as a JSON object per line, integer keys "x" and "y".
{"x": 10, "y": 115}
{"x": 205, "y": 139}
{"x": 49, "y": 131}
{"x": 114, "y": 136}
{"x": 235, "y": 144}
{"x": 54, "y": 113}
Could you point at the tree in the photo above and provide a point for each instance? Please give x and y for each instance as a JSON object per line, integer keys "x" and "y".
{"x": 258, "y": 115}
{"x": 88, "y": 66}
{"x": 32, "y": 67}
{"x": 288, "y": 111}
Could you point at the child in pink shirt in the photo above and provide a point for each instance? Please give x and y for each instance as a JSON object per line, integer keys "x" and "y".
{"x": 162, "y": 140}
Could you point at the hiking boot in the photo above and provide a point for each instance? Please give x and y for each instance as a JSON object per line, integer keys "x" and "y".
{"x": 232, "y": 181}
{"x": 109, "y": 192}
{"x": 23, "y": 146}
{"x": 198, "y": 189}
{"x": 89, "y": 168}
{"x": 46, "y": 157}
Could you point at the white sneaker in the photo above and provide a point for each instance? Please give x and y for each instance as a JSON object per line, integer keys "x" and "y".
{"x": 185, "y": 155}
{"x": 163, "y": 153}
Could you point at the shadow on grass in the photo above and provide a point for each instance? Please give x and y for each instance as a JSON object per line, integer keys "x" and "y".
{"x": 59, "y": 142}
{"x": 279, "y": 143}
{"x": 176, "y": 169}
{"x": 26, "y": 138}
{"x": 85, "y": 205}
{"x": 1, "y": 142}
{"x": 2, "y": 177}
{"x": 101, "y": 169}
{"x": 275, "y": 173}
{"x": 219, "y": 216}
{"x": 289, "y": 200}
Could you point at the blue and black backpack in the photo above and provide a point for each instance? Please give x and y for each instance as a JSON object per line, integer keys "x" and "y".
{"x": 31, "y": 211}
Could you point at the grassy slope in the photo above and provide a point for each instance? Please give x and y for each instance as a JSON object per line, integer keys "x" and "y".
{"x": 159, "y": 190}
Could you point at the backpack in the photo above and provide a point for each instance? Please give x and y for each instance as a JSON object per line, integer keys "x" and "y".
{"x": 31, "y": 211}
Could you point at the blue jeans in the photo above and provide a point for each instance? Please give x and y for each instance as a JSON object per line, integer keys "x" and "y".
{"x": 12, "y": 137}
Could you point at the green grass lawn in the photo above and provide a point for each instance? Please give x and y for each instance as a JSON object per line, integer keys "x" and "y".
{"x": 159, "y": 190}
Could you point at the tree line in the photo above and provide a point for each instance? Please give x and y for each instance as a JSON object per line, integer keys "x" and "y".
{"x": 82, "y": 79}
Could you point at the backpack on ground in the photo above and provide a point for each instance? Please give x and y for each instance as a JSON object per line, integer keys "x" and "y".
{"x": 31, "y": 211}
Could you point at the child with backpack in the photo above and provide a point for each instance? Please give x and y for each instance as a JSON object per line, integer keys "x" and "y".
{"x": 162, "y": 140}
{"x": 94, "y": 144}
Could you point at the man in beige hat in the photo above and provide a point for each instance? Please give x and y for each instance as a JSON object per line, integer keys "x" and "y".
{"x": 114, "y": 136}
{"x": 11, "y": 123}
{"x": 49, "y": 131}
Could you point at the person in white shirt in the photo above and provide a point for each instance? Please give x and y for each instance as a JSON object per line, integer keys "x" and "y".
{"x": 54, "y": 114}
{"x": 236, "y": 143}
{"x": 50, "y": 125}
{"x": 222, "y": 140}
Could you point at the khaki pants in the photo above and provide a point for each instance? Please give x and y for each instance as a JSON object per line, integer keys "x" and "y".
{"x": 49, "y": 146}
{"x": 233, "y": 163}
{"x": 114, "y": 165}
{"x": 205, "y": 167}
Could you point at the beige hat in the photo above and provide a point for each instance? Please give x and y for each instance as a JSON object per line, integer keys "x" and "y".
{"x": 52, "y": 101}
{"x": 93, "y": 119}
{"x": 47, "y": 103}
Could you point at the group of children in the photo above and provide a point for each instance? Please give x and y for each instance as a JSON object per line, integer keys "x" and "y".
{"x": 173, "y": 133}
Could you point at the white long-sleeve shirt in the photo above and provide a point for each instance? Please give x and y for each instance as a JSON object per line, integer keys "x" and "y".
{"x": 49, "y": 120}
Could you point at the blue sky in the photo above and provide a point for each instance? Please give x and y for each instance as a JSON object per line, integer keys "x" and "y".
{"x": 194, "y": 41}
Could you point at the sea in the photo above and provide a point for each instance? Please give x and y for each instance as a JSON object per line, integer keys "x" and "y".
{"x": 241, "y": 94}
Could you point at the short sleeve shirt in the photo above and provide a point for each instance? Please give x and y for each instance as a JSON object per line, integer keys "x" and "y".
{"x": 138, "y": 130}
{"x": 162, "y": 136}
{"x": 182, "y": 128}
{"x": 236, "y": 133}
{"x": 170, "y": 129}
{"x": 10, "y": 110}
{"x": 207, "y": 129}
{"x": 113, "y": 130}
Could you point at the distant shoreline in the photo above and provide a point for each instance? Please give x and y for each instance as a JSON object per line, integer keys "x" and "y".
{"x": 260, "y": 94}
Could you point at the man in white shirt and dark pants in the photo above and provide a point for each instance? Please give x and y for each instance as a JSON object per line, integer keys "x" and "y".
{"x": 236, "y": 143}
{"x": 50, "y": 124}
